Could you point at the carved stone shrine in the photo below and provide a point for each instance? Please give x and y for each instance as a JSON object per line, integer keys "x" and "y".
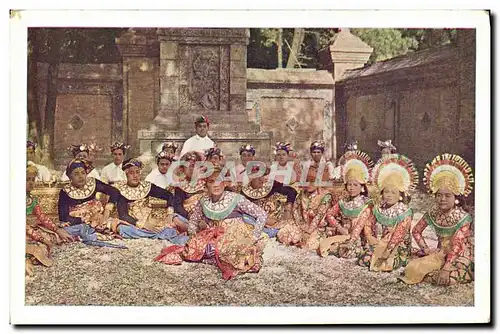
{"x": 195, "y": 71}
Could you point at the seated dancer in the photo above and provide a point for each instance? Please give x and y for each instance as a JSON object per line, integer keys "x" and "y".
{"x": 81, "y": 152}
{"x": 170, "y": 148}
{"x": 281, "y": 153}
{"x": 113, "y": 172}
{"x": 450, "y": 179}
{"x": 309, "y": 213}
{"x": 247, "y": 154}
{"x": 192, "y": 188}
{"x": 159, "y": 176}
{"x": 351, "y": 223}
{"x": 144, "y": 220}
{"x": 41, "y": 233}
{"x": 395, "y": 175}
{"x": 214, "y": 155}
{"x": 43, "y": 172}
{"x": 274, "y": 197}
{"x": 219, "y": 234}
{"x": 386, "y": 147}
{"x": 80, "y": 213}
{"x": 201, "y": 141}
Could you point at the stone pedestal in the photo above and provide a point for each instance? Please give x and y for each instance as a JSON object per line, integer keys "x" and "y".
{"x": 201, "y": 72}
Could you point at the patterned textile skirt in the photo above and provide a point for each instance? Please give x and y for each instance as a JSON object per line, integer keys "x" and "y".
{"x": 38, "y": 252}
{"x": 230, "y": 246}
{"x": 370, "y": 258}
{"x": 428, "y": 269}
{"x": 294, "y": 234}
{"x": 98, "y": 231}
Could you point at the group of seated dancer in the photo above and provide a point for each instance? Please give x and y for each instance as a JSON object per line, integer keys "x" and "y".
{"x": 224, "y": 217}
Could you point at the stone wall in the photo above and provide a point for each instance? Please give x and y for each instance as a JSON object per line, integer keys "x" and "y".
{"x": 295, "y": 105}
{"x": 424, "y": 102}
{"x": 88, "y": 108}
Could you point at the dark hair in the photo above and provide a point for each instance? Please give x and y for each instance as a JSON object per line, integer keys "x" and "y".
{"x": 364, "y": 189}
{"x": 405, "y": 198}
{"x": 163, "y": 158}
{"x": 118, "y": 148}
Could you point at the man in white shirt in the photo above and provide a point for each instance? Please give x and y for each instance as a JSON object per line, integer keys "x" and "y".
{"x": 317, "y": 150}
{"x": 199, "y": 142}
{"x": 158, "y": 176}
{"x": 247, "y": 154}
{"x": 43, "y": 172}
{"x": 113, "y": 172}
{"x": 81, "y": 151}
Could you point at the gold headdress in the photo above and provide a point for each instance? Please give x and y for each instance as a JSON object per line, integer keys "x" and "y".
{"x": 31, "y": 168}
{"x": 395, "y": 170}
{"x": 356, "y": 166}
{"x": 449, "y": 171}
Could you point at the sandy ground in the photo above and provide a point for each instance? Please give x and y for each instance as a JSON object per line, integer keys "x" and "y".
{"x": 84, "y": 275}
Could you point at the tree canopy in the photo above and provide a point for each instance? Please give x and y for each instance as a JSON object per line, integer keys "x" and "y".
{"x": 386, "y": 42}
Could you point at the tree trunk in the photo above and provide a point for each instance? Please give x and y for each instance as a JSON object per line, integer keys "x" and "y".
{"x": 280, "y": 48}
{"x": 54, "y": 38}
{"x": 34, "y": 116}
{"x": 298, "y": 38}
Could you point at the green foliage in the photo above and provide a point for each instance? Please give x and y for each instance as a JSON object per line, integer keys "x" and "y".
{"x": 75, "y": 45}
{"x": 386, "y": 43}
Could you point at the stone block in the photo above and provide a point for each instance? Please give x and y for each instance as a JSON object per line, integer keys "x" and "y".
{"x": 169, "y": 85}
{"x": 237, "y": 69}
{"x": 238, "y": 52}
{"x": 237, "y": 102}
{"x": 168, "y": 50}
{"x": 238, "y": 86}
{"x": 169, "y": 100}
{"x": 169, "y": 68}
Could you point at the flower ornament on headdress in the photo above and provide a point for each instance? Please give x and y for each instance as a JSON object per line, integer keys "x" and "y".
{"x": 165, "y": 155}
{"x": 202, "y": 119}
{"x": 386, "y": 144}
{"x": 352, "y": 146}
{"x": 247, "y": 148}
{"x": 79, "y": 163}
{"x": 119, "y": 145}
{"x": 192, "y": 156}
{"x": 93, "y": 147}
{"x": 356, "y": 167}
{"x": 449, "y": 171}
{"x": 212, "y": 152}
{"x": 395, "y": 170}
{"x": 282, "y": 147}
{"x": 318, "y": 145}
{"x": 133, "y": 162}
{"x": 75, "y": 149}
{"x": 29, "y": 143}
{"x": 171, "y": 146}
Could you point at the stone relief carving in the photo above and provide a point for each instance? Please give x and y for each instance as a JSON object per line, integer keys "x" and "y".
{"x": 200, "y": 79}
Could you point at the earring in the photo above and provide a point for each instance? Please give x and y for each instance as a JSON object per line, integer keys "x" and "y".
{"x": 456, "y": 202}
{"x": 400, "y": 198}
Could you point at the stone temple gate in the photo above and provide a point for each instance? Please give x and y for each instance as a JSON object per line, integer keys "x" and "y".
{"x": 200, "y": 71}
